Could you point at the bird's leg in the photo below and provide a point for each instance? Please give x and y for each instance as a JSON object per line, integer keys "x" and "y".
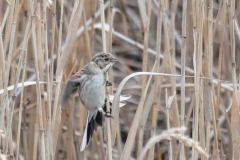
{"x": 106, "y": 114}
{"x": 105, "y": 106}
{"x": 108, "y": 83}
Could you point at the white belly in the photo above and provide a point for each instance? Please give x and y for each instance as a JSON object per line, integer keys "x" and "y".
{"x": 92, "y": 94}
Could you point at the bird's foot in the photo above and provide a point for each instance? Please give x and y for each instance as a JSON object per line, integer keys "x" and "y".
{"x": 108, "y": 83}
{"x": 106, "y": 114}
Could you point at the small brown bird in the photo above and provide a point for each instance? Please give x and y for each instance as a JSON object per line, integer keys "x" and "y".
{"x": 90, "y": 83}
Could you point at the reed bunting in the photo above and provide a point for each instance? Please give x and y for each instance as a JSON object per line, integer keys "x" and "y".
{"x": 90, "y": 83}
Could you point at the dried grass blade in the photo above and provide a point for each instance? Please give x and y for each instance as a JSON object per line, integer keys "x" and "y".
{"x": 173, "y": 133}
{"x": 143, "y": 12}
{"x": 235, "y": 125}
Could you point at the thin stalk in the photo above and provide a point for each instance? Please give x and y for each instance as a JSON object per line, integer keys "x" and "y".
{"x": 109, "y": 142}
{"x": 174, "y": 111}
{"x": 145, "y": 51}
{"x": 158, "y": 80}
{"x": 9, "y": 22}
{"x": 103, "y": 26}
{"x": 69, "y": 138}
{"x": 91, "y": 21}
{"x": 4, "y": 99}
{"x": 39, "y": 102}
{"x": 49, "y": 85}
{"x": 146, "y": 26}
{"x": 5, "y": 17}
{"x": 231, "y": 13}
{"x": 53, "y": 11}
{"x": 60, "y": 29}
{"x": 198, "y": 65}
{"x": 35, "y": 143}
{"x": 21, "y": 106}
{"x": 168, "y": 125}
{"x": 86, "y": 36}
{"x": 183, "y": 63}
{"x": 207, "y": 88}
{"x": 173, "y": 46}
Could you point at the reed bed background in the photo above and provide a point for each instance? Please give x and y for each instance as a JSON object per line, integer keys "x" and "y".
{"x": 187, "y": 109}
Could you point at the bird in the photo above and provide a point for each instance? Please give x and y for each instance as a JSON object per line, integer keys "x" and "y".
{"x": 89, "y": 83}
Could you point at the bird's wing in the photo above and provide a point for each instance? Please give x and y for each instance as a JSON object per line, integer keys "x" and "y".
{"x": 72, "y": 86}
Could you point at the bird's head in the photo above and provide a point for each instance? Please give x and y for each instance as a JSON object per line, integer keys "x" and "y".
{"x": 104, "y": 60}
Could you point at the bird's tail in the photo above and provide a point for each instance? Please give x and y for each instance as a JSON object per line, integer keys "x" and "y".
{"x": 93, "y": 120}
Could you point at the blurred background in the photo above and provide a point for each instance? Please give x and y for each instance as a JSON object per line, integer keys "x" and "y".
{"x": 48, "y": 41}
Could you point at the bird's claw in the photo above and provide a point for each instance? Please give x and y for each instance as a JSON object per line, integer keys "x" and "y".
{"x": 108, "y": 115}
{"x": 108, "y": 83}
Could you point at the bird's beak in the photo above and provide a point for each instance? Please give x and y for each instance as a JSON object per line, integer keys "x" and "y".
{"x": 114, "y": 59}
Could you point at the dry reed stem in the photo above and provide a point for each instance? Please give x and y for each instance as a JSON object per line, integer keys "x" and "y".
{"x": 9, "y": 20}
{"x": 145, "y": 11}
{"x": 49, "y": 148}
{"x": 39, "y": 101}
{"x": 158, "y": 80}
{"x": 35, "y": 145}
{"x": 220, "y": 61}
{"x": 207, "y": 70}
{"x": 50, "y": 84}
{"x": 235, "y": 121}
{"x": 174, "y": 111}
{"x": 183, "y": 64}
{"x": 5, "y": 17}
{"x": 86, "y": 36}
{"x": 143, "y": 121}
{"x": 231, "y": 14}
{"x": 104, "y": 43}
{"x": 70, "y": 113}
{"x": 172, "y": 35}
{"x": 198, "y": 63}
{"x": 21, "y": 106}
{"x": 168, "y": 105}
{"x": 229, "y": 130}
{"x": 4, "y": 102}
{"x": 146, "y": 24}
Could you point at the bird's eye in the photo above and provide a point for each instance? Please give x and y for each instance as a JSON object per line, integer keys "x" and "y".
{"x": 106, "y": 59}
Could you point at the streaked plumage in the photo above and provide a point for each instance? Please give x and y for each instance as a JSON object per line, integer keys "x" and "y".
{"x": 90, "y": 83}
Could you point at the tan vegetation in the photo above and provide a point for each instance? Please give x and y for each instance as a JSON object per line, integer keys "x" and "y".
{"x": 178, "y": 60}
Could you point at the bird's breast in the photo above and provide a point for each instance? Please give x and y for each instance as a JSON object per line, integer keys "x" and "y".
{"x": 92, "y": 92}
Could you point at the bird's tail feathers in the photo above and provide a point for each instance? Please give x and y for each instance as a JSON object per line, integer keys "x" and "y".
{"x": 84, "y": 139}
{"x": 99, "y": 119}
{"x": 91, "y": 125}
